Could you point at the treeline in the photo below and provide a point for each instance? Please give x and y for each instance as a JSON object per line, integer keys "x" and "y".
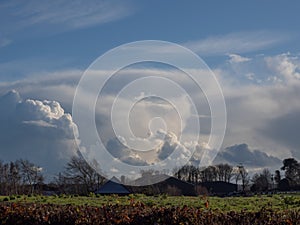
{"x": 259, "y": 182}
{"x": 24, "y": 177}
{"x": 263, "y": 181}
{"x": 20, "y": 177}
{"x": 220, "y": 172}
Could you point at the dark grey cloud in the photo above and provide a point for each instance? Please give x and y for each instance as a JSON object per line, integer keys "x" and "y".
{"x": 241, "y": 153}
{"x": 166, "y": 150}
{"x": 284, "y": 130}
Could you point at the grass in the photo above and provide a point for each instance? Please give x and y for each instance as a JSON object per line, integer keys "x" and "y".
{"x": 254, "y": 203}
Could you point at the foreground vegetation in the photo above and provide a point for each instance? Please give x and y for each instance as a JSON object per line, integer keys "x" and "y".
{"x": 141, "y": 209}
{"x": 137, "y": 213}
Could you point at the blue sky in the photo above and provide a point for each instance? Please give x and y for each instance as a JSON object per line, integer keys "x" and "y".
{"x": 37, "y": 37}
{"x": 252, "y": 47}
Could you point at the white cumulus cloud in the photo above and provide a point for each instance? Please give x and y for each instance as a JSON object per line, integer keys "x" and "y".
{"x": 39, "y": 131}
{"x": 285, "y": 65}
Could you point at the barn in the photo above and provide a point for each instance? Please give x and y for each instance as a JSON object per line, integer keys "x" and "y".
{"x": 219, "y": 187}
{"x": 113, "y": 186}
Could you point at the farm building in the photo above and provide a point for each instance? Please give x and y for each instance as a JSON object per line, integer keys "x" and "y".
{"x": 113, "y": 186}
{"x": 168, "y": 185}
{"x": 219, "y": 187}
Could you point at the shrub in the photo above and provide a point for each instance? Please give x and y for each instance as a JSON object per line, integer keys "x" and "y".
{"x": 21, "y": 213}
{"x": 92, "y": 195}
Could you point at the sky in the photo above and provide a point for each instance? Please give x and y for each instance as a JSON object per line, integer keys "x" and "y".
{"x": 252, "y": 47}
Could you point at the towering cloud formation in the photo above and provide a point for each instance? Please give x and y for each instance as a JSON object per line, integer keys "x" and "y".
{"x": 262, "y": 98}
{"x": 39, "y": 131}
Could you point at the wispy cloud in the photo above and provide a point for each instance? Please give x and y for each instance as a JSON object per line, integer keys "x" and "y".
{"x": 4, "y": 42}
{"x": 14, "y": 70}
{"x": 66, "y": 14}
{"x": 234, "y": 58}
{"x": 240, "y": 42}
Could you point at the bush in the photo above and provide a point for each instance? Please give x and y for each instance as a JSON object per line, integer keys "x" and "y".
{"x": 21, "y": 213}
{"x": 164, "y": 196}
{"x": 92, "y": 195}
{"x": 62, "y": 196}
{"x": 289, "y": 200}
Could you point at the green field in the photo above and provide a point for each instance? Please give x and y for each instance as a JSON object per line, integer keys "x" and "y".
{"x": 254, "y": 203}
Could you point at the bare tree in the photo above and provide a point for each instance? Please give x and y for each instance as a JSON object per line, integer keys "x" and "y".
{"x": 79, "y": 172}
{"x": 209, "y": 174}
{"x": 14, "y": 178}
{"x": 224, "y": 172}
{"x": 277, "y": 177}
{"x": 4, "y": 173}
{"x": 189, "y": 173}
{"x": 262, "y": 181}
{"x": 236, "y": 175}
{"x": 244, "y": 176}
{"x": 31, "y": 174}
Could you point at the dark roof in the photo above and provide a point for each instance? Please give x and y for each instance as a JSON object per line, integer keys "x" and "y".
{"x": 165, "y": 181}
{"x": 113, "y": 186}
{"x": 150, "y": 179}
{"x": 219, "y": 187}
{"x": 185, "y": 187}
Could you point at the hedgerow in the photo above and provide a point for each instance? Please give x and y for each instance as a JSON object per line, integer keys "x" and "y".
{"x": 137, "y": 213}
